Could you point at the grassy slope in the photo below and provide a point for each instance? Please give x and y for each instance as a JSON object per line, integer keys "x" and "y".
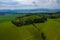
{"x": 51, "y": 29}
{"x": 10, "y": 32}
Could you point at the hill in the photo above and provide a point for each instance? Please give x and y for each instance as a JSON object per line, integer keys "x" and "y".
{"x": 38, "y": 10}
{"x": 51, "y": 30}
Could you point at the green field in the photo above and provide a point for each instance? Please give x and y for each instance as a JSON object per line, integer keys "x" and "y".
{"x": 8, "y": 31}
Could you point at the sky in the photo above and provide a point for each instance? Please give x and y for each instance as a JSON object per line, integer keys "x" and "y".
{"x": 29, "y": 4}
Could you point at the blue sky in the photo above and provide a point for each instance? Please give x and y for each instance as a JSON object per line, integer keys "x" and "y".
{"x": 29, "y": 4}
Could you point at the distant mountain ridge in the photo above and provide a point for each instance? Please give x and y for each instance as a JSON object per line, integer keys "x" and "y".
{"x": 8, "y": 11}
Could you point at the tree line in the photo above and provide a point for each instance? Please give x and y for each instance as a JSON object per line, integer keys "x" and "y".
{"x": 26, "y": 20}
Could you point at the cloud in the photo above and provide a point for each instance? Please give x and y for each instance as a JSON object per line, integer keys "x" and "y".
{"x": 27, "y": 4}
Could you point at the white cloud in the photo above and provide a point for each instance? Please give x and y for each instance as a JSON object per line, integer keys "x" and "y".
{"x": 26, "y": 4}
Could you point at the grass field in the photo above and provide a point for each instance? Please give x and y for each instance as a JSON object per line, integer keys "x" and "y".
{"x": 8, "y": 17}
{"x": 8, "y": 31}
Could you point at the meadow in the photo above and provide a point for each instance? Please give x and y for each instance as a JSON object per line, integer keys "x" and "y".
{"x": 8, "y": 31}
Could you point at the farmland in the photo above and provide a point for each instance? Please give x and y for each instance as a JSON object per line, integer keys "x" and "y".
{"x": 8, "y": 31}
